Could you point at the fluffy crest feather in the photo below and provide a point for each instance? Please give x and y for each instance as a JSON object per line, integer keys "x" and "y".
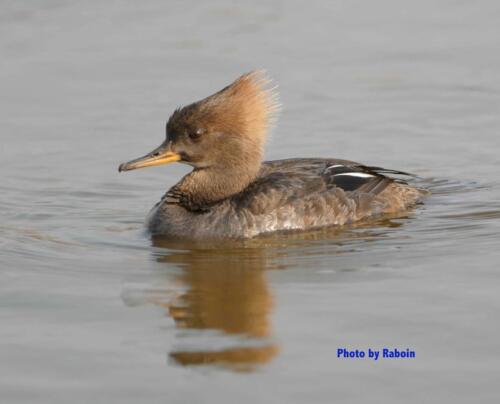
{"x": 247, "y": 107}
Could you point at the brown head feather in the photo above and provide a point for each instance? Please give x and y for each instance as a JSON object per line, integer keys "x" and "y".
{"x": 232, "y": 125}
{"x": 247, "y": 106}
{"x": 245, "y": 109}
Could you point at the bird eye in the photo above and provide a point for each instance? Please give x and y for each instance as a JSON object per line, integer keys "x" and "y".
{"x": 195, "y": 135}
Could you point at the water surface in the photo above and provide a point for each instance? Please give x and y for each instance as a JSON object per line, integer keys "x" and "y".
{"x": 94, "y": 309}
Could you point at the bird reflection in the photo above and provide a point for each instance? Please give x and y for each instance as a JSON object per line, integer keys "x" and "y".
{"x": 225, "y": 291}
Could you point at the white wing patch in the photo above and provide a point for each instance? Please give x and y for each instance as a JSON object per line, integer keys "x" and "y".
{"x": 334, "y": 166}
{"x": 348, "y": 173}
{"x": 354, "y": 174}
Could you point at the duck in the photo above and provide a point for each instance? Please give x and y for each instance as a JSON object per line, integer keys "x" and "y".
{"x": 231, "y": 193}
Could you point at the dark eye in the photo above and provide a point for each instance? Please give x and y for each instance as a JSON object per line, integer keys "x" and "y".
{"x": 195, "y": 135}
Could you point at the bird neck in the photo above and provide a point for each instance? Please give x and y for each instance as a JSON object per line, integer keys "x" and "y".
{"x": 201, "y": 188}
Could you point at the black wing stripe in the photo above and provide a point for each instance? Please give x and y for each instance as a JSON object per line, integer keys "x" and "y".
{"x": 370, "y": 179}
{"x": 381, "y": 170}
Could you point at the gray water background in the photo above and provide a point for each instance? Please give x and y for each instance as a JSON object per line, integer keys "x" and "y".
{"x": 93, "y": 310}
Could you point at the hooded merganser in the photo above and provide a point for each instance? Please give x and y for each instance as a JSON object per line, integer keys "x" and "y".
{"x": 231, "y": 193}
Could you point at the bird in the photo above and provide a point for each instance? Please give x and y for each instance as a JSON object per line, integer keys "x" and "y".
{"x": 231, "y": 193}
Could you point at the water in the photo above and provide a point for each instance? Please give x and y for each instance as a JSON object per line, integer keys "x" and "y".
{"x": 93, "y": 309}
